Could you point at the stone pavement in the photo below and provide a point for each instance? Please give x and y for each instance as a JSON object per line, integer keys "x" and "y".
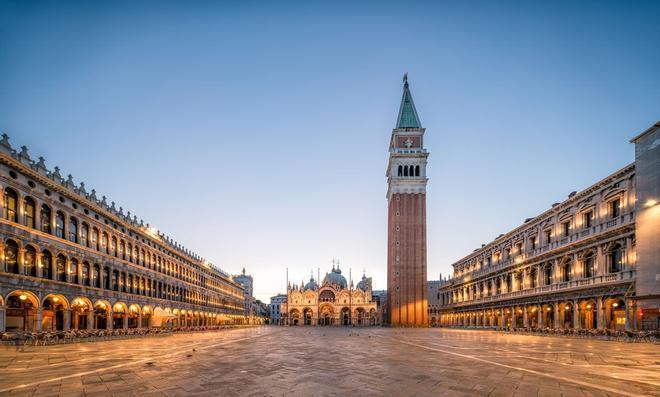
{"x": 303, "y": 361}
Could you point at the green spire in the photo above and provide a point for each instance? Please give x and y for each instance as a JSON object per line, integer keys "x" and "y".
{"x": 407, "y": 114}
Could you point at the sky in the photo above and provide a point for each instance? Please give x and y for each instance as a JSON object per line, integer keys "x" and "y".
{"x": 256, "y": 133}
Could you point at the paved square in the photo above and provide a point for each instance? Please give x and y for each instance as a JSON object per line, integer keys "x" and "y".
{"x": 335, "y": 362}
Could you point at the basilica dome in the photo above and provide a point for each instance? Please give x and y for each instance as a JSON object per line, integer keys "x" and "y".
{"x": 361, "y": 285}
{"x": 310, "y": 285}
{"x": 335, "y": 278}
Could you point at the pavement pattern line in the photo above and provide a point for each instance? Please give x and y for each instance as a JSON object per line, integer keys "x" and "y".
{"x": 543, "y": 360}
{"x": 539, "y": 373}
{"x": 94, "y": 371}
{"x": 91, "y": 360}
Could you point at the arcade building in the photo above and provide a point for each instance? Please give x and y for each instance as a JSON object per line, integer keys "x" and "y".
{"x": 590, "y": 262}
{"x": 69, "y": 260}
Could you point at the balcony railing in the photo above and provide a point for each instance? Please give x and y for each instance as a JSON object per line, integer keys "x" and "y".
{"x": 575, "y": 237}
{"x": 625, "y": 275}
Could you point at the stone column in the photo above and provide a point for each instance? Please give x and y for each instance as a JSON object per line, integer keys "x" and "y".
{"x": 539, "y": 317}
{"x": 67, "y": 319}
{"x": 502, "y": 319}
{"x": 109, "y": 319}
{"x": 627, "y": 303}
{"x": 600, "y": 261}
{"x": 513, "y": 316}
{"x": 576, "y": 314}
{"x": 139, "y": 320}
{"x": 3, "y": 317}
{"x": 628, "y": 254}
{"x": 557, "y": 272}
{"x": 125, "y": 322}
{"x": 53, "y": 268}
{"x": 90, "y": 320}
{"x": 37, "y": 215}
{"x": 37, "y": 321}
{"x": 53, "y": 222}
{"x": 555, "y": 314}
{"x": 78, "y": 232}
{"x": 525, "y": 318}
{"x": 484, "y": 321}
{"x": 67, "y": 269}
{"x": 20, "y": 205}
{"x": 600, "y": 313}
{"x": 21, "y": 261}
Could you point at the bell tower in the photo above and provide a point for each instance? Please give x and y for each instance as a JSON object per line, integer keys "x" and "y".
{"x": 407, "y": 293}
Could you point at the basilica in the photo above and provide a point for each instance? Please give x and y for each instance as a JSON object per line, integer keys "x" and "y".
{"x": 334, "y": 302}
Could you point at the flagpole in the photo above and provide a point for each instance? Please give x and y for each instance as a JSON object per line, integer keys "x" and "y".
{"x": 287, "y": 296}
{"x": 350, "y": 296}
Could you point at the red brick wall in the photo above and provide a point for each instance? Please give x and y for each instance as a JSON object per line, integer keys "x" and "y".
{"x": 408, "y": 306}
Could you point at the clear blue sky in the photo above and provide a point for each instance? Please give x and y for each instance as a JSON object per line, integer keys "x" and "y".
{"x": 256, "y": 133}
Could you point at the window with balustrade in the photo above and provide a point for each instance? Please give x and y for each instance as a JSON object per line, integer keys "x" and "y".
{"x": 589, "y": 265}
{"x": 566, "y": 270}
{"x": 615, "y": 259}
{"x": 588, "y": 219}
{"x": 615, "y": 208}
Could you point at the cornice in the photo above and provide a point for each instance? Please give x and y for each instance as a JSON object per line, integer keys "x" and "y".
{"x": 533, "y": 222}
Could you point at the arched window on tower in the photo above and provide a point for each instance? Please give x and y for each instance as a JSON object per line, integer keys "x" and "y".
{"x": 405, "y": 171}
{"x": 400, "y": 170}
{"x": 416, "y": 170}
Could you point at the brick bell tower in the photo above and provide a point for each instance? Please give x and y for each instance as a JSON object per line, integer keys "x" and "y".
{"x": 406, "y": 225}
